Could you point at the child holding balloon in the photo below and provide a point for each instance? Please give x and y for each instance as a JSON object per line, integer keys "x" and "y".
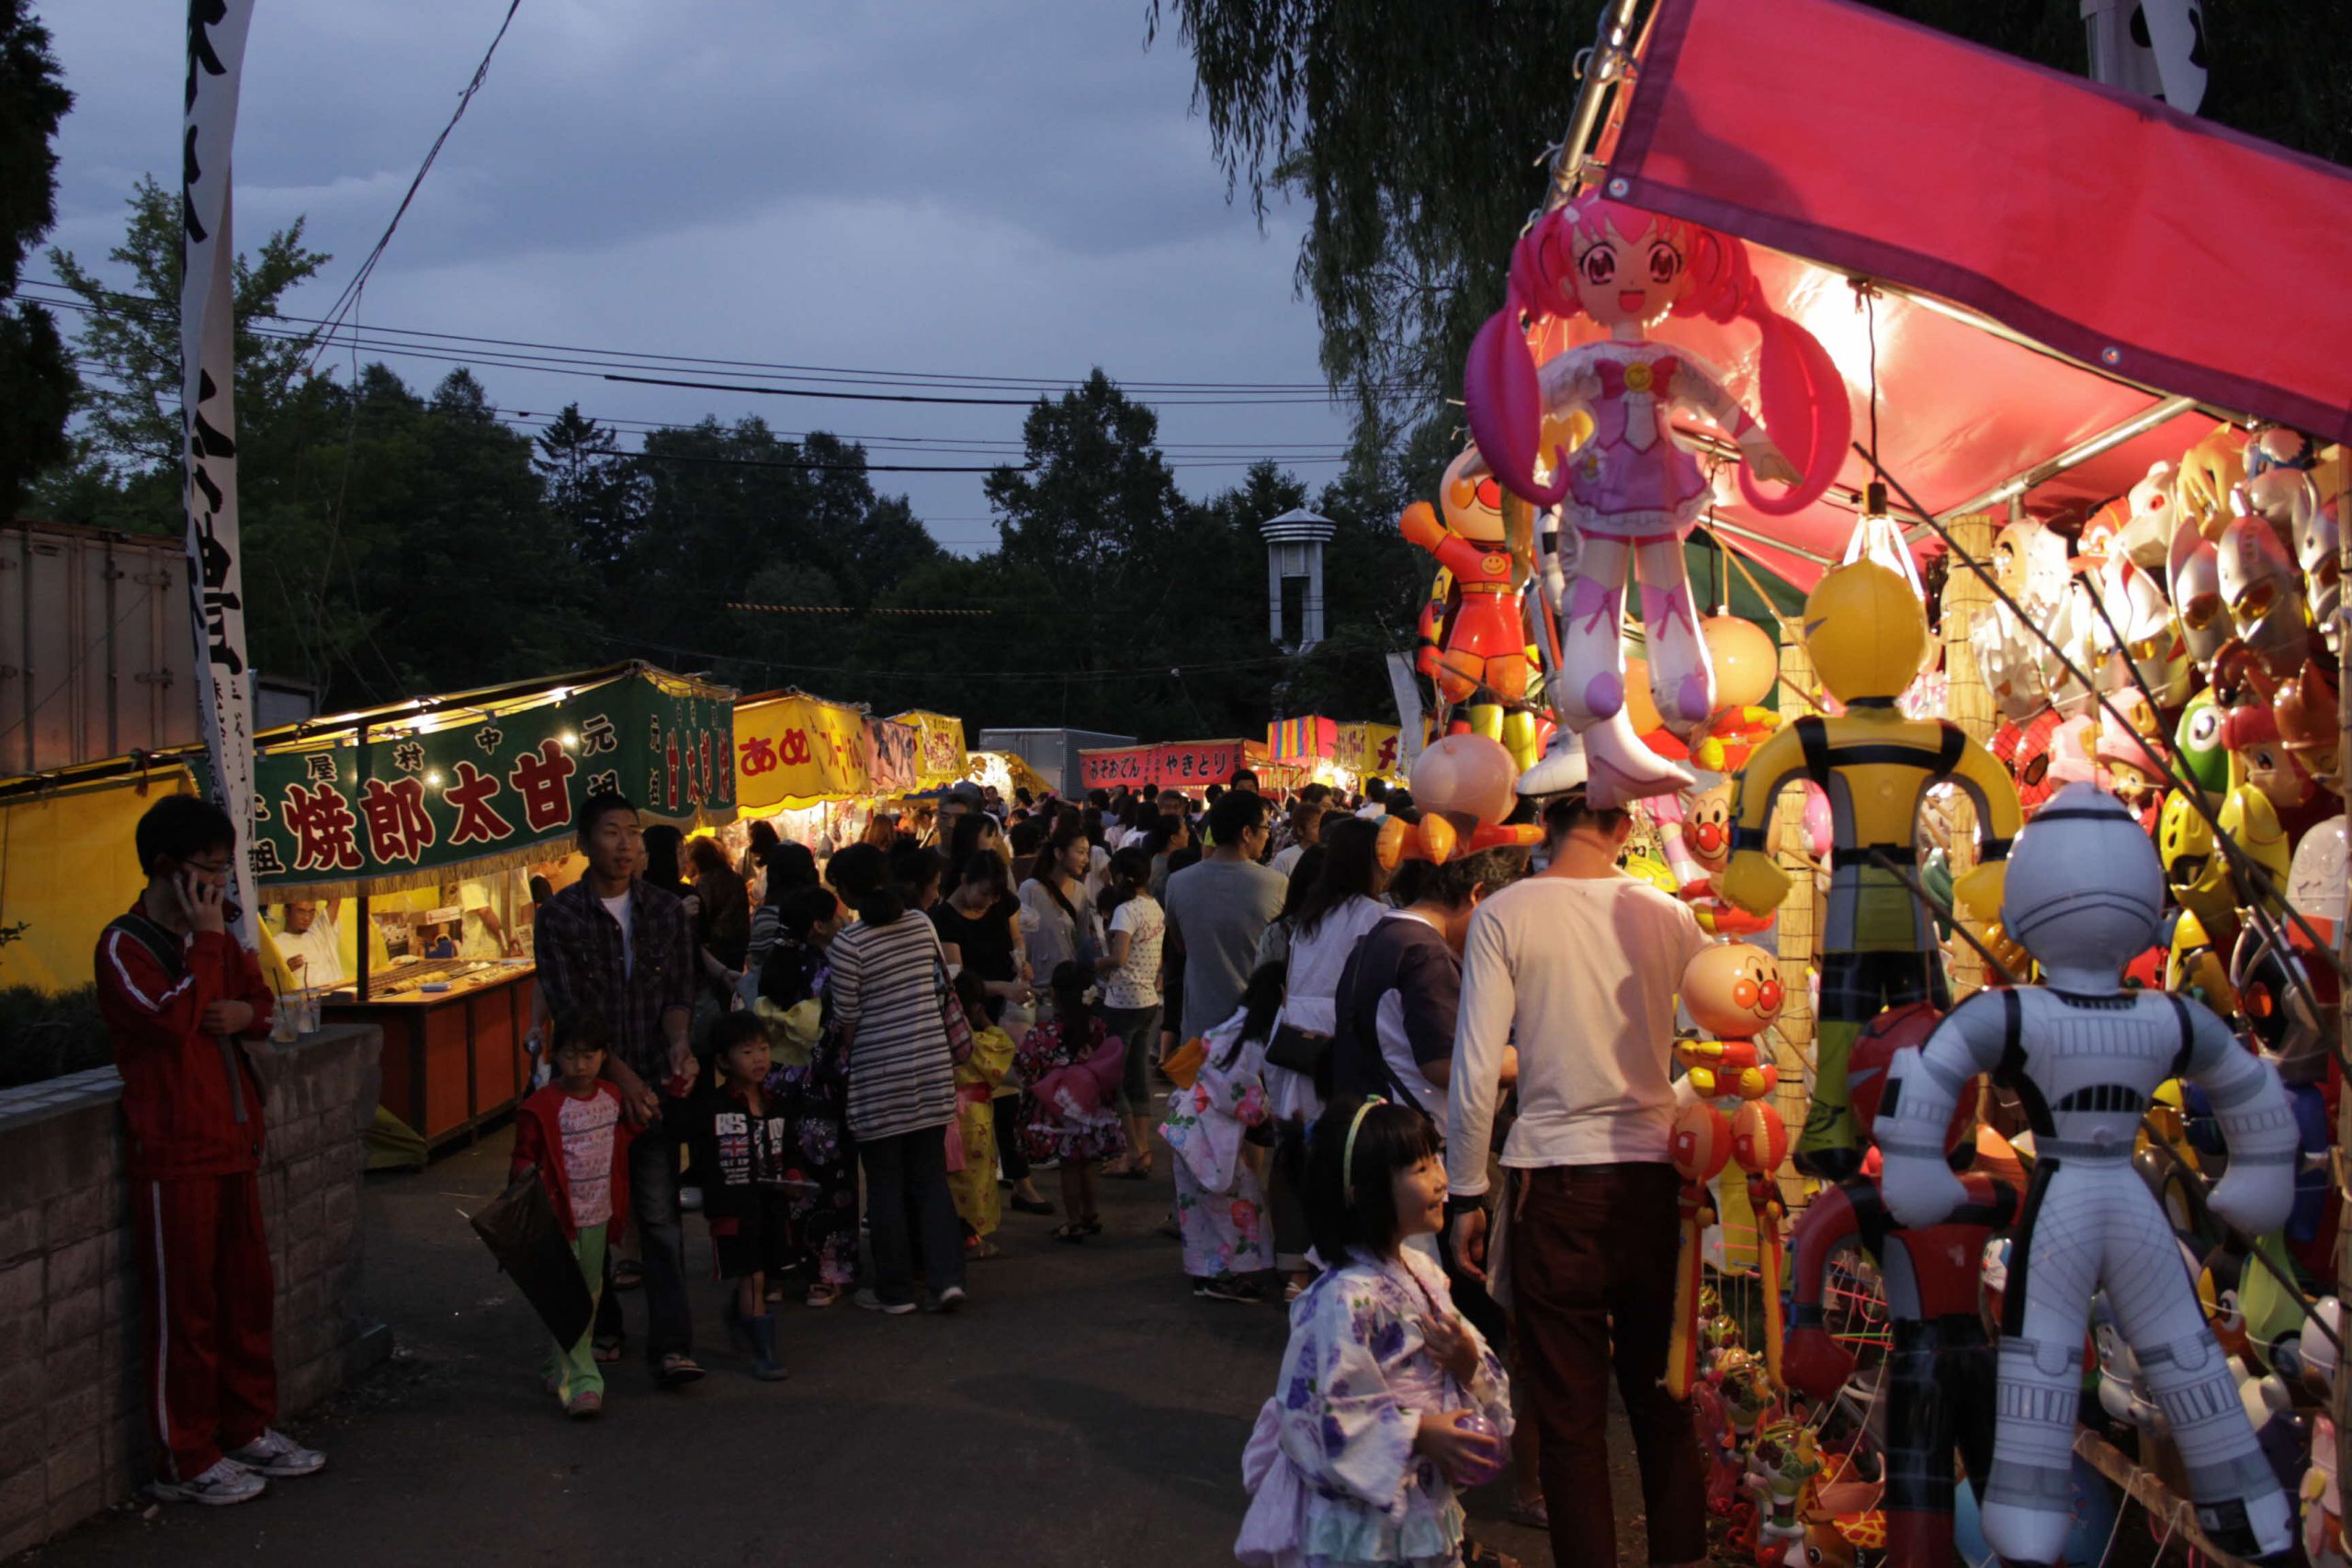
{"x": 1388, "y": 1399}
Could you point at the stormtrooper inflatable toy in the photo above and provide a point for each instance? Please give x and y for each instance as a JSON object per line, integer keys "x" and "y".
{"x": 2083, "y": 895}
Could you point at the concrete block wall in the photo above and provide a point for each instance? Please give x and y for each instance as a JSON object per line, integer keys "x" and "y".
{"x": 73, "y": 1438}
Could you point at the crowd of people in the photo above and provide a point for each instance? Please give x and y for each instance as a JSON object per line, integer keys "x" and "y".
{"x": 850, "y": 1066}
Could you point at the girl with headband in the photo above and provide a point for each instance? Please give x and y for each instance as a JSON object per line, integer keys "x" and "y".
{"x": 1387, "y": 1400}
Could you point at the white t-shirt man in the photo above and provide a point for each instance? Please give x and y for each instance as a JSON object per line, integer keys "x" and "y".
{"x": 1581, "y": 974}
{"x": 618, "y": 910}
{"x": 320, "y": 947}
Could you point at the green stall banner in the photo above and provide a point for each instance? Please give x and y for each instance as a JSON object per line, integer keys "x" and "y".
{"x": 399, "y": 809}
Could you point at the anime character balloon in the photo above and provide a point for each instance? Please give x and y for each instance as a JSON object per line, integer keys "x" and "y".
{"x": 1475, "y": 649}
{"x": 2083, "y": 894}
{"x": 1631, "y": 492}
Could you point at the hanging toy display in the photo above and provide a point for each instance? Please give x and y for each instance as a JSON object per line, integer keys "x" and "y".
{"x": 2084, "y": 1054}
{"x": 1699, "y": 847}
{"x": 1864, "y": 632}
{"x": 1463, "y": 785}
{"x": 1632, "y": 492}
{"x": 1733, "y": 993}
{"x": 1937, "y": 1383}
{"x": 1476, "y": 651}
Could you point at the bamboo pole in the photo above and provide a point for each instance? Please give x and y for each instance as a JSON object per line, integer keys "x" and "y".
{"x": 1969, "y": 703}
{"x": 1797, "y": 931}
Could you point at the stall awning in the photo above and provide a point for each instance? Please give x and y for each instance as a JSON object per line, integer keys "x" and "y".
{"x": 2070, "y": 265}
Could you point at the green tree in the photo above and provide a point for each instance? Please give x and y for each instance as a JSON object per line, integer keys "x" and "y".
{"x": 1382, "y": 116}
{"x": 591, "y": 485}
{"x": 134, "y": 335}
{"x": 37, "y": 381}
{"x": 444, "y": 495}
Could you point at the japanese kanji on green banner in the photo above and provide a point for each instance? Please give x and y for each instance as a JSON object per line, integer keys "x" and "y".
{"x": 452, "y": 789}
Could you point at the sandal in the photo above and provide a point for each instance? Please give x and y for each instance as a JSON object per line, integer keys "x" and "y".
{"x": 980, "y": 1247}
{"x": 677, "y": 1370}
{"x": 1130, "y": 1173}
{"x": 608, "y": 1351}
{"x": 823, "y": 1295}
{"x": 627, "y": 1274}
{"x": 1532, "y": 1512}
{"x": 1091, "y": 1225}
{"x": 1072, "y": 1233}
{"x": 1032, "y": 1206}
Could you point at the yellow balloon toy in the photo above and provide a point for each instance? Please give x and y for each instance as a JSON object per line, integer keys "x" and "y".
{"x": 1866, "y": 634}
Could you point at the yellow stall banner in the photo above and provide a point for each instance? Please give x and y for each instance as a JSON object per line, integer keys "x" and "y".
{"x": 940, "y": 758}
{"x": 1369, "y": 747}
{"x": 794, "y": 750}
{"x": 66, "y": 868}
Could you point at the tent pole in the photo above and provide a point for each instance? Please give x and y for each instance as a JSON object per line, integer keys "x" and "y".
{"x": 2073, "y": 456}
{"x": 1604, "y": 67}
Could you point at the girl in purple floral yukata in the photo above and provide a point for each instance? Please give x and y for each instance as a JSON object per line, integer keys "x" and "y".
{"x": 1219, "y": 1205}
{"x": 1388, "y": 1399}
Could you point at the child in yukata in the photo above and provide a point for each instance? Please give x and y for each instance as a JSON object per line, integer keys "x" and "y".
{"x": 1220, "y": 1208}
{"x": 1388, "y": 1400}
{"x": 972, "y": 1182}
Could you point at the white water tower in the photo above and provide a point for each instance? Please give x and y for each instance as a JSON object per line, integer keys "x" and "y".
{"x": 1295, "y": 544}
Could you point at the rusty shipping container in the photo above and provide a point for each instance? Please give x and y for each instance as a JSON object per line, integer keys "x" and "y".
{"x": 96, "y": 654}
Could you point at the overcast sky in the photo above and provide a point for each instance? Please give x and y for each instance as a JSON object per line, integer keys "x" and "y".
{"x": 984, "y": 188}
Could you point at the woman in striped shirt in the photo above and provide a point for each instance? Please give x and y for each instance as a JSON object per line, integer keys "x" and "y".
{"x": 889, "y": 991}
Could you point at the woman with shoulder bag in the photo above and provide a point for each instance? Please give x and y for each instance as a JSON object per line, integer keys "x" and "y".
{"x": 1344, "y": 902}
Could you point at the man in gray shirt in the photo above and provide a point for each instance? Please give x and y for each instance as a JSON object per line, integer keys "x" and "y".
{"x": 1218, "y": 908}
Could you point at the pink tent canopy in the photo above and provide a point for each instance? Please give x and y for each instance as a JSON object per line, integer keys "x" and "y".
{"x": 2064, "y": 268}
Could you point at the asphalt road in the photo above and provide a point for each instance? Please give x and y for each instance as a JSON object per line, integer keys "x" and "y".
{"x": 1084, "y": 1409}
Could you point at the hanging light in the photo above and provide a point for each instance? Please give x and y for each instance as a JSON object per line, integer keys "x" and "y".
{"x": 1878, "y": 538}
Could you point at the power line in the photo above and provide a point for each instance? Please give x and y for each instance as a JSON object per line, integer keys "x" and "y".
{"x": 349, "y": 298}
{"x": 783, "y": 370}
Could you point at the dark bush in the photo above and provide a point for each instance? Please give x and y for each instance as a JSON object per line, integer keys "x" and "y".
{"x": 43, "y": 1036}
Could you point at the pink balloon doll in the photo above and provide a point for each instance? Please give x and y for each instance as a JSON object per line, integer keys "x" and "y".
{"x": 1633, "y": 491}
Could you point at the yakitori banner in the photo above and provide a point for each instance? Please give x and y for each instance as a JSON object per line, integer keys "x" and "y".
{"x": 796, "y": 749}
{"x": 408, "y": 803}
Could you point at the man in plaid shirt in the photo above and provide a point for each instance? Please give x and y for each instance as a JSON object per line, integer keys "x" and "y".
{"x": 612, "y": 946}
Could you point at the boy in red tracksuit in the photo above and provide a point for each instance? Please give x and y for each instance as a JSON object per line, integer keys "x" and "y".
{"x": 179, "y": 996}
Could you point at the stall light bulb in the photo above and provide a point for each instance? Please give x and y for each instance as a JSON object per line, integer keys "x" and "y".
{"x": 568, "y": 739}
{"x": 433, "y": 777}
{"x": 1876, "y": 538}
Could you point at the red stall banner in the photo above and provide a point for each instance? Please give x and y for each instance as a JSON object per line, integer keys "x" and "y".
{"x": 1172, "y": 764}
{"x": 1129, "y": 765}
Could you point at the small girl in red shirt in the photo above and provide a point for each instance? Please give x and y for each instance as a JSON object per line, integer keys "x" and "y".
{"x": 575, "y": 1134}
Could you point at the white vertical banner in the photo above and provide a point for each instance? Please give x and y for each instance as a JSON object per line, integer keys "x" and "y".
{"x": 216, "y": 57}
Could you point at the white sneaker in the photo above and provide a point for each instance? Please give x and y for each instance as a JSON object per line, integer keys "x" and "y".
{"x": 275, "y": 1453}
{"x": 948, "y": 1300}
{"x": 226, "y": 1481}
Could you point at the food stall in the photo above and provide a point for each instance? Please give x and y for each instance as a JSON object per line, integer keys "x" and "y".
{"x": 432, "y": 815}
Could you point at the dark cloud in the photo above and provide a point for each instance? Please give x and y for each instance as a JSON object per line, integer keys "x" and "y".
{"x": 1013, "y": 188}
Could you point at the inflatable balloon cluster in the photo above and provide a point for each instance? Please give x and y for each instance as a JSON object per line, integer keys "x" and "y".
{"x": 2093, "y": 1194}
